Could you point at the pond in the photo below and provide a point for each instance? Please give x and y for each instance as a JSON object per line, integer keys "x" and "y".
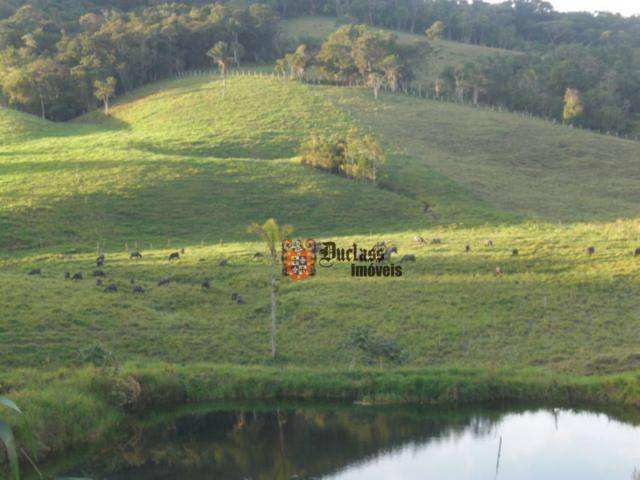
{"x": 369, "y": 443}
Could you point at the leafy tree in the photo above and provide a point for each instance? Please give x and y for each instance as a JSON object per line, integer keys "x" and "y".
{"x": 104, "y": 90}
{"x": 375, "y": 80}
{"x": 16, "y": 86}
{"x": 435, "y": 31}
{"x": 272, "y": 234}
{"x": 37, "y": 85}
{"x": 295, "y": 63}
{"x": 354, "y": 156}
{"x": 281, "y": 66}
{"x": 324, "y": 153}
{"x": 336, "y": 55}
{"x": 572, "y": 105}
{"x": 474, "y": 80}
{"x": 357, "y": 53}
{"x": 366, "y": 157}
{"x": 392, "y": 71}
{"x": 452, "y": 81}
{"x": 222, "y": 56}
{"x": 299, "y": 61}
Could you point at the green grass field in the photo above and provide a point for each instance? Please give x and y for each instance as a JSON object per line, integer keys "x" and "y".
{"x": 177, "y": 165}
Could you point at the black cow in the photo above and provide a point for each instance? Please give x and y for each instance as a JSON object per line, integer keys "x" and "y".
{"x": 236, "y": 297}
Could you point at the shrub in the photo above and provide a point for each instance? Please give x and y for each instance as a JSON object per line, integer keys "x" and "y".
{"x": 96, "y": 355}
{"x": 353, "y": 156}
{"x": 373, "y": 349}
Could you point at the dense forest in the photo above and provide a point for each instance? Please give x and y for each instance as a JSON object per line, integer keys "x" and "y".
{"x": 511, "y": 24}
{"x": 60, "y": 58}
{"x": 58, "y": 63}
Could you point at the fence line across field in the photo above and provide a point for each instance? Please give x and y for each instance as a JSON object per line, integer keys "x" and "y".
{"x": 418, "y": 91}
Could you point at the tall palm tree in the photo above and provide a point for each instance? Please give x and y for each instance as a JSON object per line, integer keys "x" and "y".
{"x": 272, "y": 234}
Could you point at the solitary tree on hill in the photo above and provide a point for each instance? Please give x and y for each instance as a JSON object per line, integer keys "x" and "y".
{"x": 272, "y": 234}
{"x": 222, "y": 55}
{"x": 104, "y": 90}
{"x": 572, "y": 105}
{"x": 435, "y": 31}
{"x": 375, "y": 81}
{"x": 299, "y": 61}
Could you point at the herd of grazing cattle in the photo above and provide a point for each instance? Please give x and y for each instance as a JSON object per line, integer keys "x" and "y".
{"x": 100, "y": 275}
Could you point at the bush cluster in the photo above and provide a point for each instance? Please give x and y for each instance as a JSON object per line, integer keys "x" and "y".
{"x": 354, "y": 156}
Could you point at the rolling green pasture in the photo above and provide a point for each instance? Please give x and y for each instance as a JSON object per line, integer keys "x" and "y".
{"x": 179, "y": 165}
{"x": 176, "y": 165}
{"x": 178, "y": 162}
{"x": 527, "y": 167}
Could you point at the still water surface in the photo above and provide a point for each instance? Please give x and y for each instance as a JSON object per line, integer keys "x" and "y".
{"x": 370, "y": 443}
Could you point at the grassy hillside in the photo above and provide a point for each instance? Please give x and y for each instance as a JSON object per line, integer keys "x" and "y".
{"x": 315, "y": 29}
{"x": 526, "y": 166}
{"x": 177, "y": 162}
{"x": 17, "y": 126}
{"x": 176, "y": 165}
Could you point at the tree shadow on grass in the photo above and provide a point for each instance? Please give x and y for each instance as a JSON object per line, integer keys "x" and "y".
{"x": 31, "y": 167}
{"x": 40, "y": 129}
{"x": 209, "y": 202}
{"x": 267, "y": 149}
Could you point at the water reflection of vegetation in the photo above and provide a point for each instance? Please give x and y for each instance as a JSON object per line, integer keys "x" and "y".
{"x": 260, "y": 442}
